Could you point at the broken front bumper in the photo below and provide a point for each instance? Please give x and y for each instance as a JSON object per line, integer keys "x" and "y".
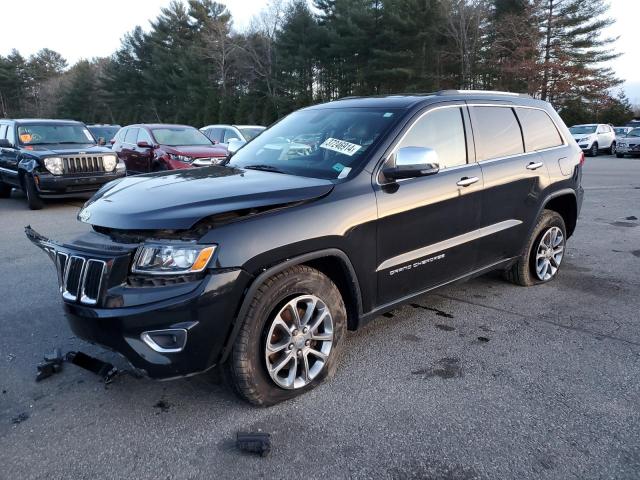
{"x": 168, "y": 330}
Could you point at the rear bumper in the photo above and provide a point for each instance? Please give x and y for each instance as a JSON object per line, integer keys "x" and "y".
{"x": 206, "y": 314}
{"x": 60, "y": 185}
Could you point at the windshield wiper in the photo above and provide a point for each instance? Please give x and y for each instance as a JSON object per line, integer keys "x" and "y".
{"x": 266, "y": 168}
{"x": 72, "y": 143}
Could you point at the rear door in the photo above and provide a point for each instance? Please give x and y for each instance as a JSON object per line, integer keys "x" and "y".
{"x": 426, "y": 225}
{"x": 513, "y": 179}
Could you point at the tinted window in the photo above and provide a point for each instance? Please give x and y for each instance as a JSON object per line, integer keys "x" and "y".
{"x": 443, "y": 131}
{"x": 539, "y": 131}
{"x": 131, "y": 136}
{"x": 496, "y": 132}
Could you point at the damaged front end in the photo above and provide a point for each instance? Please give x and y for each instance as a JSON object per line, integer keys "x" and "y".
{"x": 130, "y": 295}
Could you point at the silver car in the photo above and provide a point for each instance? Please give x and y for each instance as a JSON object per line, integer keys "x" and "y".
{"x": 629, "y": 144}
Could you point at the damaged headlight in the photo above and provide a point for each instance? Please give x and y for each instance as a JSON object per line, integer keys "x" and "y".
{"x": 181, "y": 158}
{"x": 172, "y": 259}
{"x": 54, "y": 165}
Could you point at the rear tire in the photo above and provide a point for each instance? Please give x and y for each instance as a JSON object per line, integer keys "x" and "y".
{"x": 526, "y": 271}
{"x": 271, "y": 326}
{"x": 612, "y": 148}
{"x": 33, "y": 198}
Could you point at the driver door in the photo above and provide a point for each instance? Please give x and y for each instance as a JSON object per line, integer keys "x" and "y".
{"x": 427, "y": 226}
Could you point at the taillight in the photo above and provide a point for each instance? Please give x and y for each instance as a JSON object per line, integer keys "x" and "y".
{"x": 581, "y": 158}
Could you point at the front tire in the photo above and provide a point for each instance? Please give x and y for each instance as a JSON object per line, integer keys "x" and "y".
{"x": 594, "y": 150}
{"x": 290, "y": 339}
{"x": 5, "y": 190}
{"x": 543, "y": 253}
{"x": 33, "y": 198}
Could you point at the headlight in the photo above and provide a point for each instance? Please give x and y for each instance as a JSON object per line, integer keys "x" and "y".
{"x": 182, "y": 158}
{"x": 109, "y": 162}
{"x": 54, "y": 165}
{"x": 172, "y": 259}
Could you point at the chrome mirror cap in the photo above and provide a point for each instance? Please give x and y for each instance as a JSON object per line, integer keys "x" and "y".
{"x": 413, "y": 162}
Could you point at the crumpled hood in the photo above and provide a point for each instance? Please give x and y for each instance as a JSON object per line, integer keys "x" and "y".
{"x": 197, "y": 151}
{"x": 177, "y": 199}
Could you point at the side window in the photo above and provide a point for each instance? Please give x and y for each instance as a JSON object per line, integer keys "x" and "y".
{"x": 443, "y": 131}
{"x": 3, "y": 131}
{"x": 11, "y": 134}
{"x": 496, "y": 132}
{"x": 143, "y": 136}
{"x": 601, "y": 129}
{"x": 131, "y": 136}
{"x": 538, "y": 129}
{"x": 229, "y": 134}
{"x": 119, "y": 137}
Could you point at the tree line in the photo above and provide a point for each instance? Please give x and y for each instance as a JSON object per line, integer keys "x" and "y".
{"x": 193, "y": 67}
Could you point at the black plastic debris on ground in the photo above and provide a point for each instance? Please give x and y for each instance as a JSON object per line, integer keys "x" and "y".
{"x": 254, "y": 442}
{"x": 53, "y": 364}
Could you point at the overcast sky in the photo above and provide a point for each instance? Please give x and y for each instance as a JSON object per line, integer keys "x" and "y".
{"x": 93, "y": 28}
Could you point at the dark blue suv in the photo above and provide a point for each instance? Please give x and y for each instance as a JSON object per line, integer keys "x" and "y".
{"x": 53, "y": 158}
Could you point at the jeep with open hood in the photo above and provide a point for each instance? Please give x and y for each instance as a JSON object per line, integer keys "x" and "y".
{"x": 334, "y": 215}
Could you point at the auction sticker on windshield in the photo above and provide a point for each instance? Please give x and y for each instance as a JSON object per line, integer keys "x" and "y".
{"x": 340, "y": 146}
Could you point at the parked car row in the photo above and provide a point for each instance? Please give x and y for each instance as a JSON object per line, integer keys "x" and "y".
{"x": 64, "y": 158}
{"x": 594, "y": 138}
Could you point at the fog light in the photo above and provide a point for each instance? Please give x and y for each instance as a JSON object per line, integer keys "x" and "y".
{"x": 165, "y": 341}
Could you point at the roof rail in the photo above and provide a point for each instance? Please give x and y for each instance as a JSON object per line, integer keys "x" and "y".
{"x": 482, "y": 92}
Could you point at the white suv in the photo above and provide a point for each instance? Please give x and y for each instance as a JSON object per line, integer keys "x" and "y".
{"x": 594, "y": 137}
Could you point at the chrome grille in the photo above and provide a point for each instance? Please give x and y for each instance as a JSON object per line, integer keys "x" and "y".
{"x": 83, "y": 164}
{"x": 80, "y": 278}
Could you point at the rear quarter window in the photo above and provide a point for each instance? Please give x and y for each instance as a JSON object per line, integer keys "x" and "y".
{"x": 496, "y": 132}
{"x": 538, "y": 129}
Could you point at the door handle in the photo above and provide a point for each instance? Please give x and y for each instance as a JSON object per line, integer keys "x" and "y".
{"x": 534, "y": 165}
{"x": 466, "y": 181}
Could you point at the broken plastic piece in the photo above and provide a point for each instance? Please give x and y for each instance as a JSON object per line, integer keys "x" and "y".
{"x": 52, "y": 364}
{"x": 103, "y": 369}
{"x": 254, "y": 442}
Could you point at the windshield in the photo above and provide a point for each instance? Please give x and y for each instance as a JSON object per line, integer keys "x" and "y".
{"x": 250, "y": 133}
{"x": 321, "y": 143}
{"x": 634, "y": 133}
{"x": 582, "y": 129}
{"x": 179, "y": 136}
{"x": 104, "y": 132}
{"x": 35, "y": 134}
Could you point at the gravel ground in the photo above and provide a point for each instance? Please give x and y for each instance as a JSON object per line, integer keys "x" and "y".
{"x": 478, "y": 380}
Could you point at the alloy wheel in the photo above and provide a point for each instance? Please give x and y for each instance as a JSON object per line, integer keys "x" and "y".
{"x": 299, "y": 342}
{"x": 549, "y": 253}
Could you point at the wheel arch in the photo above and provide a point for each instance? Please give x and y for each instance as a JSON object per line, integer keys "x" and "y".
{"x": 565, "y": 203}
{"x": 332, "y": 262}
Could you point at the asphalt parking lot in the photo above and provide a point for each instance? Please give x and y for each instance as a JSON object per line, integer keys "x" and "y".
{"x": 479, "y": 380}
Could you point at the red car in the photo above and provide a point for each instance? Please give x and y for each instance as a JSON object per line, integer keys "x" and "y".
{"x": 156, "y": 147}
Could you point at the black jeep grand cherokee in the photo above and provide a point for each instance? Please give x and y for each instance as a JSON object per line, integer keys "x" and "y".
{"x": 331, "y": 217}
{"x": 53, "y": 158}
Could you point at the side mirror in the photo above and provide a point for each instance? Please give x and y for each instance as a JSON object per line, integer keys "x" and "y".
{"x": 234, "y": 145}
{"x": 144, "y": 144}
{"x": 413, "y": 162}
{"x": 4, "y": 143}
{"x": 112, "y": 141}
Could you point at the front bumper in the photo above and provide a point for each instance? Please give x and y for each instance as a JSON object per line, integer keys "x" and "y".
{"x": 104, "y": 307}
{"x": 61, "y": 185}
{"x": 206, "y": 314}
{"x": 629, "y": 149}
